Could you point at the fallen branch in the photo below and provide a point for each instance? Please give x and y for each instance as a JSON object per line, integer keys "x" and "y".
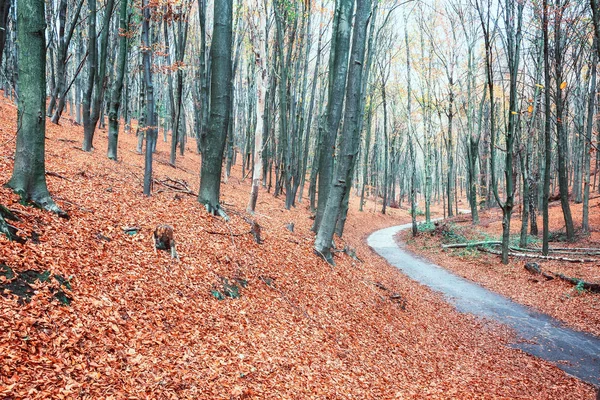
{"x": 54, "y": 174}
{"x": 73, "y": 204}
{"x": 572, "y": 253}
{"x": 573, "y": 249}
{"x": 228, "y": 233}
{"x": 534, "y": 268}
{"x": 592, "y": 287}
{"x": 471, "y": 244}
{"x": 539, "y": 256}
{"x": 175, "y": 186}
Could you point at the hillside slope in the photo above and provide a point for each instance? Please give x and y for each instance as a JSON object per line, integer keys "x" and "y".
{"x": 141, "y": 325}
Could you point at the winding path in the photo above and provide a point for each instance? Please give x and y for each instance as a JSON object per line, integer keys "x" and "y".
{"x": 574, "y": 352}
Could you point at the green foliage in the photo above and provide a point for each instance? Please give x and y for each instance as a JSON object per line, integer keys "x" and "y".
{"x": 426, "y": 227}
{"x": 469, "y": 252}
{"x": 531, "y": 240}
{"x": 579, "y": 287}
{"x": 228, "y": 289}
{"x": 451, "y": 234}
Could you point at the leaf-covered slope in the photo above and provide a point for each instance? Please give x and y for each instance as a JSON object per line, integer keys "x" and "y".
{"x": 142, "y": 325}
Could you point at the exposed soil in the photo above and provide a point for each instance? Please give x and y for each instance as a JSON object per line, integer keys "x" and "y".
{"x": 143, "y": 325}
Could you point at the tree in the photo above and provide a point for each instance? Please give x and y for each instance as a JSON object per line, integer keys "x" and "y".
{"x": 547, "y": 132}
{"x": 261, "y": 78}
{"x": 563, "y": 179}
{"x": 151, "y": 130}
{"x": 346, "y": 151}
{"x": 338, "y": 70}
{"x": 117, "y": 89}
{"x": 213, "y": 142}
{"x": 61, "y": 88}
{"x": 29, "y": 172}
{"x": 513, "y": 21}
{"x": 96, "y": 72}
{"x": 4, "y": 11}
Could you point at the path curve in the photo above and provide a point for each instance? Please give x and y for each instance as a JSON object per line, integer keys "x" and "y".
{"x": 574, "y": 352}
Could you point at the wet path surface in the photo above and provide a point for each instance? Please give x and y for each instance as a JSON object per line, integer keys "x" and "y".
{"x": 574, "y": 352}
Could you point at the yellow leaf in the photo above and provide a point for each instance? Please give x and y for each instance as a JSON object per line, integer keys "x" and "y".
{"x": 514, "y": 112}
{"x": 563, "y": 85}
{"x": 539, "y": 85}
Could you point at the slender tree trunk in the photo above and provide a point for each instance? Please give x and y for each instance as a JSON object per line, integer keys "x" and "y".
{"x": 98, "y": 74}
{"x": 261, "y": 79}
{"x": 92, "y": 63}
{"x": 117, "y": 89}
{"x": 151, "y": 130}
{"x": 563, "y": 179}
{"x": 585, "y": 224}
{"x": 4, "y": 12}
{"x": 547, "y": 131}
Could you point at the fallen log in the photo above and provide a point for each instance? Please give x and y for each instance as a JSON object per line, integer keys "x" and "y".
{"x": 535, "y": 269}
{"x": 539, "y": 256}
{"x": 471, "y": 244}
{"x": 570, "y": 253}
{"x": 592, "y": 287}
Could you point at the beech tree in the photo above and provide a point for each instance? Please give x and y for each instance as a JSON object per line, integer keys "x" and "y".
{"x": 117, "y": 88}
{"x": 213, "y": 142}
{"x": 29, "y": 172}
{"x": 346, "y": 151}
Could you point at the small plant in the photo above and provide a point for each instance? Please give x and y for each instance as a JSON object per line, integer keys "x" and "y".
{"x": 470, "y": 252}
{"x": 426, "y": 227}
{"x": 579, "y": 287}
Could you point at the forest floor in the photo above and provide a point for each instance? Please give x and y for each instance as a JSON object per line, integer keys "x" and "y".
{"x": 579, "y": 309}
{"x": 288, "y": 325}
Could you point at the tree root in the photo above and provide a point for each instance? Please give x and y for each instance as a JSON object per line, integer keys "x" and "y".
{"x": 217, "y": 210}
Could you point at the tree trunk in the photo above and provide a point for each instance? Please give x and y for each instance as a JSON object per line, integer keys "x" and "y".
{"x": 338, "y": 68}
{"x": 97, "y": 73}
{"x": 4, "y": 11}
{"x": 29, "y": 172}
{"x": 261, "y": 79}
{"x": 563, "y": 179}
{"x": 115, "y": 103}
{"x": 585, "y": 224}
{"x": 347, "y": 150}
{"x": 151, "y": 131}
{"x": 213, "y": 143}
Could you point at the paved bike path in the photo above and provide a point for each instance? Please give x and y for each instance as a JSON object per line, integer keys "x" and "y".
{"x": 574, "y": 352}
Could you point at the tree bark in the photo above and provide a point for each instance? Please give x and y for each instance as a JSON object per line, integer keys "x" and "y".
{"x": 213, "y": 143}
{"x": 563, "y": 179}
{"x": 117, "y": 89}
{"x": 347, "y": 150}
{"x": 29, "y": 172}
{"x": 4, "y": 11}
{"x": 151, "y": 131}
{"x": 338, "y": 71}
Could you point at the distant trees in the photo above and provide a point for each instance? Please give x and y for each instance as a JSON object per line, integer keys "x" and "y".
{"x": 467, "y": 110}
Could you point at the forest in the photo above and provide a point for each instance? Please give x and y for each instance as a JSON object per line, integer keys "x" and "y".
{"x": 266, "y": 144}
